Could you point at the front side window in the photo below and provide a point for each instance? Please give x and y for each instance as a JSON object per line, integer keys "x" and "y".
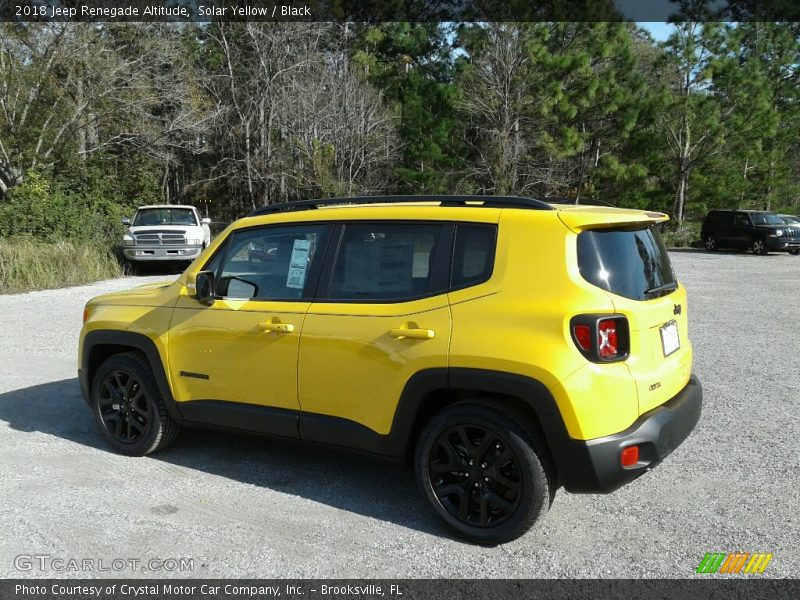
{"x": 767, "y": 219}
{"x": 164, "y": 216}
{"x": 387, "y": 262}
{"x": 270, "y": 263}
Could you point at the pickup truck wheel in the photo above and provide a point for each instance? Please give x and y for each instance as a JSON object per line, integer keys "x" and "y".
{"x": 128, "y": 407}
{"x": 759, "y": 246}
{"x": 481, "y": 472}
{"x": 130, "y": 267}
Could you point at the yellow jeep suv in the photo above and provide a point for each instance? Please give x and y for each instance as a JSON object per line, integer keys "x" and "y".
{"x": 505, "y": 345}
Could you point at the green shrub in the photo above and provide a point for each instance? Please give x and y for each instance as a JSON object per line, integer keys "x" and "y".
{"x": 686, "y": 236}
{"x": 46, "y": 211}
{"x": 27, "y": 264}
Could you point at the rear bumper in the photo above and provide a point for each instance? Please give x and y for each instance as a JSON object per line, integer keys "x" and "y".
{"x": 594, "y": 466}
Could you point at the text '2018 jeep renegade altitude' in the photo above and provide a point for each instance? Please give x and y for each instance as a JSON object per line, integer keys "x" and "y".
{"x": 504, "y": 345}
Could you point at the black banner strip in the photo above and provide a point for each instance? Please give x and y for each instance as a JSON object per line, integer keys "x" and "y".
{"x": 397, "y": 10}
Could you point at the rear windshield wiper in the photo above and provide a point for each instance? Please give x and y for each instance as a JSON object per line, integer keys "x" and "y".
{"x": 661, "y": 290}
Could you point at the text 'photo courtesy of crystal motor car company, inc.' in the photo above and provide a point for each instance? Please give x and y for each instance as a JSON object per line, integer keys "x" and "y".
{"x": 382, "y": 318}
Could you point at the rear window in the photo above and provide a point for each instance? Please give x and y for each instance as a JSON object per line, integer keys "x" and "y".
{"x": 632, "y": 263}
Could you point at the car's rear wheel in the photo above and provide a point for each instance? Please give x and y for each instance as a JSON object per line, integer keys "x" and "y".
{"x": 759, "y": 246}
{"x": 710, "y": 243}
{"x": 482, "y": 472}
{"x": 128, "y": 407}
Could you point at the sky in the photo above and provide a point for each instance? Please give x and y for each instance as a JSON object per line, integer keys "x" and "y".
{"x": 659, "y": 31}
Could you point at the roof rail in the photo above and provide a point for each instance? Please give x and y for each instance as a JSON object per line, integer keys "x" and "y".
{"x": 577, "y": 202}
{"x": 444, "y": 200}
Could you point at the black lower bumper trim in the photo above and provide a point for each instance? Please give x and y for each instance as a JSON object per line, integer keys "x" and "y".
{"x": 594, "y": 465}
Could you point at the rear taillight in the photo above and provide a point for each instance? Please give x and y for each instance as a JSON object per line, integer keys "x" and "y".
{"x": 601, "y": 338}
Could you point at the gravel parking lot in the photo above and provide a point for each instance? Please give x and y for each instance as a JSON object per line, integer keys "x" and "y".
{"x": 247, "y": 507}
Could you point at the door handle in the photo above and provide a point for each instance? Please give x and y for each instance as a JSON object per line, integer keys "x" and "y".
{"x": 402, "y": 333}
{"x": 275, "y": 327}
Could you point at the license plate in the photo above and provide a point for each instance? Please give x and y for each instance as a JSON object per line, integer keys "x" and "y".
{"x": 670, "y": 341}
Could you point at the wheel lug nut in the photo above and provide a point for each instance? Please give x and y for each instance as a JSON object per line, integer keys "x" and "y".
{"x": 486, "y": 479}
{"x": 483, "y": 465}
{"x": 497, "y": 446}
{"x": 471, "y": 463}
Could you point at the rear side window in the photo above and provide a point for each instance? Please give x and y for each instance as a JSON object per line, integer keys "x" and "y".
{"x": 632, "y": 263}
{"x": 387, "y": 262}
{"x": 473, "y": 255}
{"x": 720, "y": 218}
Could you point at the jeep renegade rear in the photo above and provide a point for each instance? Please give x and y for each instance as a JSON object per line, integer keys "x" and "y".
{"x": 506, "y": 346}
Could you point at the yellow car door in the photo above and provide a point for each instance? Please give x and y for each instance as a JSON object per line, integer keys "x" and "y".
{"x": 234, "y": 363}
{"x": 381, "y": 316}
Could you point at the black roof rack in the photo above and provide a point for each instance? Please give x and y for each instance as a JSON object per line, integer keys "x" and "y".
{"x": 444, "y": 200}
{"x": 581, "y": 202}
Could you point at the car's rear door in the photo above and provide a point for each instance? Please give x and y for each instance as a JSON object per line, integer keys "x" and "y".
{"x": 631, "y": 262}
{"x": 381, "y": 316}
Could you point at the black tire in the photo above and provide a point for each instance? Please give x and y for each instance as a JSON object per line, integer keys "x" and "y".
{"x": 506, "y": 485}
{"x": 128, "y": 407}
{"x": 710, "y": 243}
{"x": 794, "y": 251}
{"x": 131, "y": 267}
{"x": 759, "y": 246}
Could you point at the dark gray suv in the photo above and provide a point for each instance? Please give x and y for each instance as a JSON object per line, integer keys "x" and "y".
{"x": 756, "y": 230}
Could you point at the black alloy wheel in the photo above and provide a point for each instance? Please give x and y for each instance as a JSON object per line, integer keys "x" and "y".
{"x": 483, "y": 471}
{"x": 124, "y": 407}
{"x": 128, "y": 406}
{"x": 475, "y": 475}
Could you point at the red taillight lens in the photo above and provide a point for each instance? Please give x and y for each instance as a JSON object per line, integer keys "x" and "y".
{"x": 601, "y": 338}
{"x": 607, "y": 344}
{"x": 583, "y": 337}
{"x": 629, "y": 456}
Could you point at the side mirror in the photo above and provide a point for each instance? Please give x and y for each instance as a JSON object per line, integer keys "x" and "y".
{"x": 205, "y": 221}
{"x": 126, "y": 221}
{"x": 204, "y": 287}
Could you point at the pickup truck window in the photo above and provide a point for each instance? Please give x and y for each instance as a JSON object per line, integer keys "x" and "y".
{"x": 164, "y": 216}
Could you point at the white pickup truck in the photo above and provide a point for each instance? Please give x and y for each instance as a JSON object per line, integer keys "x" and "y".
{"x": 165, "y": 232}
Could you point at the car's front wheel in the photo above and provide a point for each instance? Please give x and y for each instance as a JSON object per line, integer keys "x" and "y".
{"x": 794, "y": 251}
{"x": 128, "y": 407}
{"x": 482, "y": 472}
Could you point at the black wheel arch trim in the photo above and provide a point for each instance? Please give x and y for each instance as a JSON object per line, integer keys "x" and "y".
{"x": 125, "y": 340}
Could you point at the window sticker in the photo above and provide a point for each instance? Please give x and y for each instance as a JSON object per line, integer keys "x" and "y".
{"x": 298, "y": 265}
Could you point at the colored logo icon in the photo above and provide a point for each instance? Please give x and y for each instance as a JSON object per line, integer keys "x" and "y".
{"x": 734, "y": 562}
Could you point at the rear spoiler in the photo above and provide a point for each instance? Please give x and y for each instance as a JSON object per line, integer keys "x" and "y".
{"x": 579, "y": 218}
